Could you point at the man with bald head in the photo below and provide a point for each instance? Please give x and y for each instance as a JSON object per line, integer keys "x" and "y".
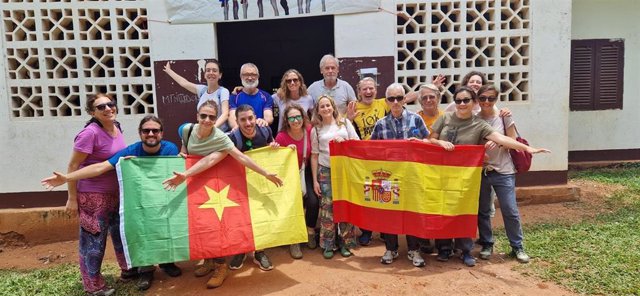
{"x": 251, "y": 95}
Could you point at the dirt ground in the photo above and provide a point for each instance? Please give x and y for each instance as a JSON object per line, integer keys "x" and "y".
{"x": 361, "y": 274}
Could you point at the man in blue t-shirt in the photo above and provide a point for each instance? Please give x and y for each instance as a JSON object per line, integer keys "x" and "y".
{"x": 260, "y": 100}
{"x": 249, "y": 136}
{"x": 150, "y": 144}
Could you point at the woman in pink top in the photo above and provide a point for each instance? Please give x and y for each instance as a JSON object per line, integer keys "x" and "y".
{"x": 96, "y": 199}
{"x": 294, "y": 134}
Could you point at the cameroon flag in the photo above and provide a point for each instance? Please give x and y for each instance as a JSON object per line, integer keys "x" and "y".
{"x": 226, "y": 210}
{"x": 407, "y": 187}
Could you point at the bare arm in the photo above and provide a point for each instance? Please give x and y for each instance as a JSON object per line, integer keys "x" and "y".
{"x": 268, "y": 116}
{"x": 248, "y": 162}
{"x": 513, "y": 144}
{"x": 202, "y": 164}
{"x": 72, "y": 200}
{"x": 91, "y": 171}
{"x": 314, "y": 173}
{"x": 191, "y": 87}
{"x": 224, "y": 114}
{"x": 233, "y": 124}
{"x": 411, "y": 97}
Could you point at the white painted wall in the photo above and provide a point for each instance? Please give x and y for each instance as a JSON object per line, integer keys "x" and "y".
{"x": 32, "y": 149}
{"x": 543, "y": 119}
{"x": 609, "y": 129}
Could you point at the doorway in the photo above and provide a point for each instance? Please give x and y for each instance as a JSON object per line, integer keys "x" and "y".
{"x": 274, "y": 46}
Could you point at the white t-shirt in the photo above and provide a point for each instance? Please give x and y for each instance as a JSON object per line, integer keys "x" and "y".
{"x": 220, "y": 95}
{"x": 327, "y": 133}
{"x": 305, "y": 102}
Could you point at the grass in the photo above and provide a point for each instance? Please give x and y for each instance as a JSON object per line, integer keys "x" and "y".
{"x": 595, "y": 256}
{"x": 63, "y": 279}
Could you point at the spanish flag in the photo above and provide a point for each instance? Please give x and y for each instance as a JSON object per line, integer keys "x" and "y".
{"x": 225, "y": 210}
{"x": 405, "y": 187}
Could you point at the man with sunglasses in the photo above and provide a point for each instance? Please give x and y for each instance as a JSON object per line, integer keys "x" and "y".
{"x": 400, "y": 124}
{"x": 247, "y": 137}
{"x": 150, "y": 144}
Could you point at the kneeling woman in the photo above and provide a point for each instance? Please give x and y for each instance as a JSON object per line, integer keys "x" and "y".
{"x": 463, "y": 128}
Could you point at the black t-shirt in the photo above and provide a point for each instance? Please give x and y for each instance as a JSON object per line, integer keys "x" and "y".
{"x": 262, "y": 138}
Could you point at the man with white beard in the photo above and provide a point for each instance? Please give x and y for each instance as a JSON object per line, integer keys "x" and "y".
{"x": 341, "y": 92}
{"x": 260, "y": 100}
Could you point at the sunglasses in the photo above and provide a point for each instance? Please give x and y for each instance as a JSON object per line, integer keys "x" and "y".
{"x": 101, "y": 107}
{"x": 396, "y": 98}
{"x": 465, "y": 101}
{"x": 290, "y": 81}
{"x": 294, "y": 118}
{"x": 484, "y": 99}
{"x": 147, "y": 131}
{"x": 205, "y": 116}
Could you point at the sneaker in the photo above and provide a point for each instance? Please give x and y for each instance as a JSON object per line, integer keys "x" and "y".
{"x": 145, "y": 280}
{"x": 237, "y": 261}
{"x": 295, "y": 251}
{"x": 468, "y": 260}
{"x": 327, "y": 254}
{"x": 443, "y": 255}
{"x": 311, "y": 243}
{"x": 365, "y": 239}
{"x": 344, "y": 251}
{"x": 388, "y": 257}
{"x": 103, "y": 292}
{"x": 128, "y": 275}
{"x": 520, "y": 255}
{"x": 220, "y": 271}
{"x": 204, "y": 268}
{"x": 171, "y": 269}
{"x": 262, "y": 260}
{"x": 486, "y": 252}
{"x": 416, "y": 259}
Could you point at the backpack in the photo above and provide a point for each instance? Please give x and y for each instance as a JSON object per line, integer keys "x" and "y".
{"x": 265, "y": 132}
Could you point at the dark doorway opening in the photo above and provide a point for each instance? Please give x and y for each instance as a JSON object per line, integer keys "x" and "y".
{"x": 274, "y": 46}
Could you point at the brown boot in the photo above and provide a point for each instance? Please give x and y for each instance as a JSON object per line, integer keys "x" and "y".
{"x": 204, "y": 269}
{"x": 220, "y": 271}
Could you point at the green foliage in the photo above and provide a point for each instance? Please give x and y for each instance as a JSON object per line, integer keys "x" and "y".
{"x": 595, "y": 256}
{"x": 63, "y": 279}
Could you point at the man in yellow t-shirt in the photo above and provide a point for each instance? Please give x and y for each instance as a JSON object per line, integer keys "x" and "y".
{"x": 429, "y": 97}
{"x": 368, "y": 110}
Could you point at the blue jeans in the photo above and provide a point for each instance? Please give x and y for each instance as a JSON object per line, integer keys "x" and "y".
{"x": 505, "y": 188}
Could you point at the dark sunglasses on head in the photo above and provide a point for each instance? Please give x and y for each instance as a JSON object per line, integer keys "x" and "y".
{"x": 294, "y": 118}
{"x": 147, "y": 131}
{"x": 465, "y": 101}
{"x": 484, "y": 99}
{"x": 205, "y": 116}
{"x": 294, "y": 80}
{"x": 101, "y": 107}
{"x": 396, "y": 98}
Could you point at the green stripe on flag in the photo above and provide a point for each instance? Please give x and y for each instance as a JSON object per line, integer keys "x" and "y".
{"x": 154, "y": 222}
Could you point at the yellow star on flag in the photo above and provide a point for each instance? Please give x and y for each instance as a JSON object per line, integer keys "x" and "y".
{"x": 218, "y": 201}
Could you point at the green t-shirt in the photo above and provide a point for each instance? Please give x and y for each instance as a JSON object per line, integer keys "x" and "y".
{"x": 470, "y": 131}
{"x": 217, "y": 141}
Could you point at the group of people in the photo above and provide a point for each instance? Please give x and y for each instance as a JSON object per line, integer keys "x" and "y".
{"x": 310, "y": 118}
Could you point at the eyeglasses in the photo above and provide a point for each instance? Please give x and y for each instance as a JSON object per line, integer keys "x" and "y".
{"x": 147, "y": 131}
{"x": 101, "y": 107}
{"x": 252, "y": 75}
{"x": 396, "y": 98}
{"x": 205, "y": 116}
{"x": 290, "y": 81}
{"x": 484, "y": 99}
{"x": 294, "y": 118}
{"x": 429, "y": 97}
{"x": 465, "y": 101}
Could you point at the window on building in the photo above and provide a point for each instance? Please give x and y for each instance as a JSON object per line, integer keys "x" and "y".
{"x": 597, "y": 70}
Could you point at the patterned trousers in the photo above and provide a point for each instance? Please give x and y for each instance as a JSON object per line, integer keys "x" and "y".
{"x": 346, "y": 231}
{"x": 98, "y": 217}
